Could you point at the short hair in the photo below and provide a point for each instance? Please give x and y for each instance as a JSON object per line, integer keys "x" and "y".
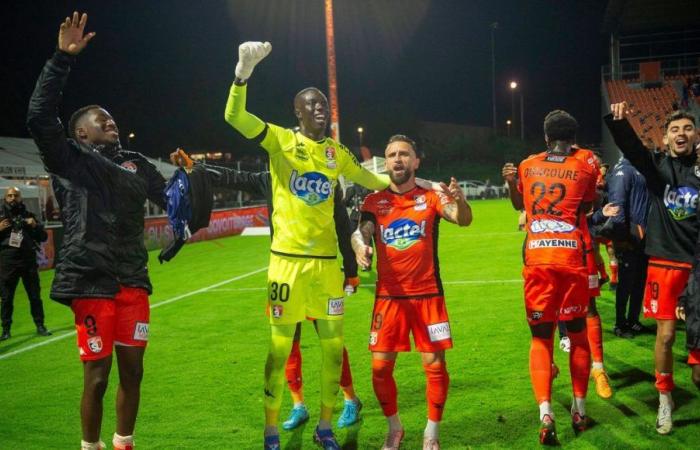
{"x": 75, "y": 118}
{"x": 305, "y": 90}
{"x": 403, "y": 138}
{"x": 560, "y": 126}
{"x": 678, "y": 115}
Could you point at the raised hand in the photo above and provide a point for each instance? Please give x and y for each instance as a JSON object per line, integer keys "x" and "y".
{"x": 249, "y": 55}
{"x": 453, "y": 191}
{"x": 70, "y": 35}
{"x": 619, "y": 110}
{"x": 509, "y": 172}
{"x": 181, "y": 159}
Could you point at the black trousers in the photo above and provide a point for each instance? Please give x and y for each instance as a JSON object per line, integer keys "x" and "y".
{"x": 632, "y": 276}
{"x": 9, "y": 278}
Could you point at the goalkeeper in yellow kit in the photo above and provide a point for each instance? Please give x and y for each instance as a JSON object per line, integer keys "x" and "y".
{"x": 304, "y": 279}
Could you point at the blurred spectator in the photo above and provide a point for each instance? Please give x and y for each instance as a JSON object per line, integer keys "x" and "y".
{"x": 20, "y": 235}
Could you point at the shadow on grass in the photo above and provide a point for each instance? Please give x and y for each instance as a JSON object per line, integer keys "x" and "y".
{"x": 630, "y": 377}
{"x": 681, "y": 397}
{"x": 17, "y": 340}
{"x": 352, "y": 436}
{"x": 294, "y": 442}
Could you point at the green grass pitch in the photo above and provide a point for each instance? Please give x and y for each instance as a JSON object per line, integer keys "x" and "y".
{"x": 209, "y": 337}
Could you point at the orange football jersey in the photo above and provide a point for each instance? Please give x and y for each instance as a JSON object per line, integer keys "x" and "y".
{"x": 554, "y": 187}
{"x": 406, "y": 233}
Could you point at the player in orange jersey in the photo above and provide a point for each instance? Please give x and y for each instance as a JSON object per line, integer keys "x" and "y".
{"x": 593, "y": 323}
{"x": 403, "y": 220}
{"x": 554, "y": 187}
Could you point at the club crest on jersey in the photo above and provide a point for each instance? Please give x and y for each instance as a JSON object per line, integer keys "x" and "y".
{"x": 681, "y": 202}
{"x": 95, "y": 344}
{"x": 130, "y": 166}
{"x": 311, "y": 187}
{"x": 330, "y": 158}
{"x": 277, "y": 311}
{"x": 420, "y": 202}
{"x": 402, "y": 233}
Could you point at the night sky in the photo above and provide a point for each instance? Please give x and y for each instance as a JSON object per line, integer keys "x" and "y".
{"x": 164, "y": 68}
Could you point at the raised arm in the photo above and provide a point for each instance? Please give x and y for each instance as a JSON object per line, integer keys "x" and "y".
{"x": 351, "y": 168}
{"x": 630, "y": 144}
{"x": 249, "y": 55}
{"x": 457, "y": 211}
{"x": 223, "y": 177}
{"x": 42, "y": 115}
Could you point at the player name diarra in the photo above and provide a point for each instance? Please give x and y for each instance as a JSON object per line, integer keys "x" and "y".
{"x": 564, "y": 174}
{"x": 552, "y": 243}
{"x": 406, "y": 231}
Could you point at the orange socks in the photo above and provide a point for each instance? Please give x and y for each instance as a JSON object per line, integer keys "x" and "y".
{"x": 385, "y": 385}
{"x": 613, "y": 272}
{"x": 664, "y": 382}
{"x": 437, "y": 384}
{"x": 293, "y": 369}
{"x": 579, "y": 362}
{"x": 345, "y": 375}
{"x": 541, "y": 368}
{"x": 595, "y": 338}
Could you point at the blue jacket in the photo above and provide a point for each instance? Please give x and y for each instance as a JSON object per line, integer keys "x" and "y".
{"x": 627, "y": 189}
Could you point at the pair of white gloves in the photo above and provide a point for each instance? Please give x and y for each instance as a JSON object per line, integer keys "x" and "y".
{"x": 249, "y": 55}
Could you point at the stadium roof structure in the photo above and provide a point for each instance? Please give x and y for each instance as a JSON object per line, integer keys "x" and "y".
{"x": 632, "y": 16}
{"x": 19, "y": 158}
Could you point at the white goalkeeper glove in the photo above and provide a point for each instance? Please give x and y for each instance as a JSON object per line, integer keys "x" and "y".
{"x": 249, "y": 55}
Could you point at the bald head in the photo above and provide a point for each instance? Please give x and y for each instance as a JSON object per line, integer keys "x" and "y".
{"x": 13, "y": 196}
{"x": 312, "y": 112}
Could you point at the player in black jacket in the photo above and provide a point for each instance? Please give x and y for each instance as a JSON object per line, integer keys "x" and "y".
{"x": 673, "y": 181}
{"x": 260, "y": 183}
{"x": 101, "y": 272}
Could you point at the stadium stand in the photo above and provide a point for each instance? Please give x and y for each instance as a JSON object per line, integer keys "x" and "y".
{"x": 649, "y": 106}
{"x": 654, "y": 57}
{"x": 20, "y": 165}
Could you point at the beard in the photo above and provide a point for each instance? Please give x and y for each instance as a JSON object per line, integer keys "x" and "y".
{"x": 401, "y": 179}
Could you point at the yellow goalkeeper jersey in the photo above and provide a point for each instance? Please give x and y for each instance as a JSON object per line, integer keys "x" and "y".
{"x": 304, "y": 174}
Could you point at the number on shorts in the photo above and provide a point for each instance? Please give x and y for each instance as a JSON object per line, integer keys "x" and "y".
{"x": 377, "y": 322}
{"x": 653, "y": 286}
{"x": 91, "y": 325}
{"x": 279, "y": 291}
{"x": 542, "y": 188}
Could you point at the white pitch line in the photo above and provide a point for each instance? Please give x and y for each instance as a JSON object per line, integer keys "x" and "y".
{"x": 155, "y": 305}
{"x": 372, "y": 285}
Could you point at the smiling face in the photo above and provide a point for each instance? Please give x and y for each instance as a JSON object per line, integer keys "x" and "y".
{"x": 97, "y": 127}
{"x": 681, "y": 137}
{"x": 311, "y": 109}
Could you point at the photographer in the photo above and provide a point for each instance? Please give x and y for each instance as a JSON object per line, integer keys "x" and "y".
{"x": 20, "y": 235}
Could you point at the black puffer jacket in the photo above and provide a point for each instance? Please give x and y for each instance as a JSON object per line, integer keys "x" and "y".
{"x": 101, "y": 193}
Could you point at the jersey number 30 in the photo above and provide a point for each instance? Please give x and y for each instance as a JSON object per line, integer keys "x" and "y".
{"x": 279, "y": 291}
